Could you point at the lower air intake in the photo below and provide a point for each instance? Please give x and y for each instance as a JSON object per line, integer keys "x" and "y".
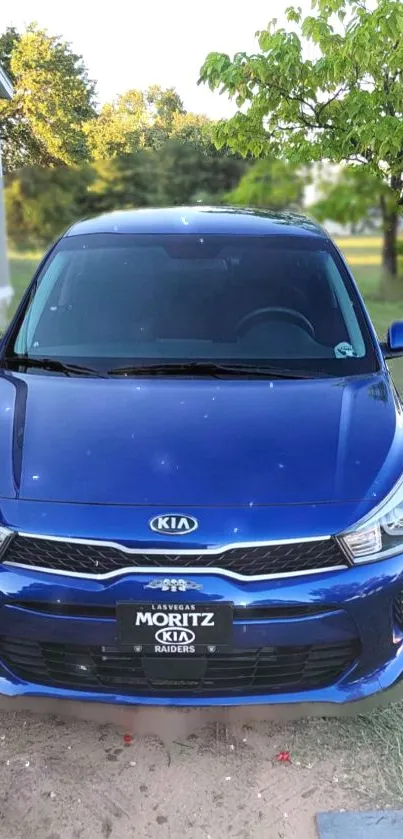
{"x": 119, "y": 669}
{"x": 398, "y": 609}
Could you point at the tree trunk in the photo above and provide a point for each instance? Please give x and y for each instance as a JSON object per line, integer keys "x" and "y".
{"x": 390, "y": 223}
{"x": 389, "y": 248}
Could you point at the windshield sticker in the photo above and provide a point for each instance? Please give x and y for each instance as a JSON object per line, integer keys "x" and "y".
{"x": 344, "y": 350}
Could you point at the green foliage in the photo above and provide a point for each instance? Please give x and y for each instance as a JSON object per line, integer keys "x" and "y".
{"x": 329, "y": 87}
{"x": 269, "y": 183}
{"x": 194, "y": 130}
{"x": 344, "y": 104}
{"x": 175, "y": 174}
{"x": 353, "y": 197}
{"x": 122, "y": 182}
{"x": 8, "y": 41}
{"x": 53, "y": 99}
{"x": 134, "y": 120}
{"x": 51, "y": 119}
{"x": 57, "y": 95}
{"x": 185, "y": 174}
{"x": 19, "y": 144}
{"x": 145, "y": 120}
{"x": 120, "y": 126}
{"x": 164, "y": 105}
{"x": 41, "y": 202}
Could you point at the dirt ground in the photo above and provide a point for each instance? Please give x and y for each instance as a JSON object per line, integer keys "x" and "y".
{"x": 68, "y": 778}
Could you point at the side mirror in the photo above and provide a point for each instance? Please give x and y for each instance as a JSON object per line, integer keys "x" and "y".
{"x": 393, "y": 346}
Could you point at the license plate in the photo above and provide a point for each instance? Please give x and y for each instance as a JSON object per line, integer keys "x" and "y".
{"x": 175, "y": 628}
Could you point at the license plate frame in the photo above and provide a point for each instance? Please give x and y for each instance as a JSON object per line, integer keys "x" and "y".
{"x": 180, "y": 628}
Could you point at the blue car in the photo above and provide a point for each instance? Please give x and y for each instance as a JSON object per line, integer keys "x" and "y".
{"x": 201, "y": 452}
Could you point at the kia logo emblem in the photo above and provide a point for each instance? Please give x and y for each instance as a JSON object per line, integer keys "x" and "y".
{"x": 175, "y": 636}
{"x": 173, "y": 525}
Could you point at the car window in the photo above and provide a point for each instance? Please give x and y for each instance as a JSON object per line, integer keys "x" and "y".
{"x": 118, "y": 297}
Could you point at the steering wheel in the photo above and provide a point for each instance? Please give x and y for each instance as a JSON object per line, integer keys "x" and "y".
{"x": 270, "y": 312}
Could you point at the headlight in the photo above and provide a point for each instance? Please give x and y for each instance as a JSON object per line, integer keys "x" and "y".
{"x": 380, "y": 534}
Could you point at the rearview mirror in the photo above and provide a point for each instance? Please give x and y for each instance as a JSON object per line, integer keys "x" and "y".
{"x": 393, "y": 346}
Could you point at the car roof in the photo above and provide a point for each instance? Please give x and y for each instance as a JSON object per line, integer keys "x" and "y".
{"x": 202, "y": 220}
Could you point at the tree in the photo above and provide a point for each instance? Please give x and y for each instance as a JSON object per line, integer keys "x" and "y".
{"x": 195, "y": 130}
{"x": 8, "y": 40}
{"x": 120, "y": 126}
{"x": 53, "y": 99}
{"x": 342, "y": 103}
{"x": 19, "y": 144}
{"x": 138, "y": 120}
{"x": 41, "y": 202}
{"x": 183, "y": 175}
{"x": 134, "y": 120}
{"x": 164, "y": 105}
{"x": 269, "y": 183}
{"x": 122, "y": 182}
{"x": 162, "y": 108}
{"x": 352, "y": 198}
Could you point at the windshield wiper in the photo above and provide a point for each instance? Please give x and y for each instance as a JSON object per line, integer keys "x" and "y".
{"x": 52, "y": 364}
{"x": 212, "y": 368}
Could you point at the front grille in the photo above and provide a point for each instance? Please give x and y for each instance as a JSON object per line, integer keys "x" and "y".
{"x": 119, "y": 669}
{"x": 101, "y": 559}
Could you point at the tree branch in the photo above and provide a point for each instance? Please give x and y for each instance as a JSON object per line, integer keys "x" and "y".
{"x": 324, "y": 105}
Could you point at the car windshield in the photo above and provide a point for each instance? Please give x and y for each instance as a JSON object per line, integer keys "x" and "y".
{"x": 110, "y": 300}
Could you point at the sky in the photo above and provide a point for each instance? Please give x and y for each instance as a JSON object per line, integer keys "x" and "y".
{"x": 128, "y": 44}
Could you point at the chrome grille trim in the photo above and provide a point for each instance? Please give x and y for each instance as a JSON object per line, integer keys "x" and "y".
{"x": 180, "y": 572}
{"x": 174, "y": 570}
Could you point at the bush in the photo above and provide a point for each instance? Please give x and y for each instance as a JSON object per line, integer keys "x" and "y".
{"x": 41, "y": 203}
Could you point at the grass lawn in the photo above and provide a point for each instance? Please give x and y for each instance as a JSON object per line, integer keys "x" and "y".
{"x": 22, "y": 267}
{"x": 363, "y": 256}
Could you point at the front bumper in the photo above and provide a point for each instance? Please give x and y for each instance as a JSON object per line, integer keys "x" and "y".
{"x": 356, "y": 606}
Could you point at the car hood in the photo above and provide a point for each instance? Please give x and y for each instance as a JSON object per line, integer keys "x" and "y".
{"x": 187, "y": 442}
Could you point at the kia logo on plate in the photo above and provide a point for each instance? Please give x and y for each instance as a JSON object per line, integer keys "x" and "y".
{"x": 175, "y": 636}
{"x": 173, "y": 525}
